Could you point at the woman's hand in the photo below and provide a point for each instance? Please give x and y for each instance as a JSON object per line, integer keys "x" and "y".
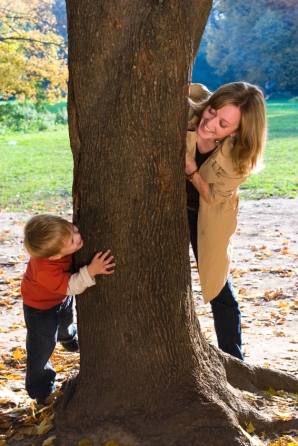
{"x": 196, "y": 179}
{"x": 190, "y": 165}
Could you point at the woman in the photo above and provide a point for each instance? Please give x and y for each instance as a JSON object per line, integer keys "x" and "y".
{"x": 225, "y": 140}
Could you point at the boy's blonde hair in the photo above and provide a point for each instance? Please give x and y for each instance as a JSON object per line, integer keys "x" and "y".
{"x": 45, "y": 235}
{"x": 251, "y": 135}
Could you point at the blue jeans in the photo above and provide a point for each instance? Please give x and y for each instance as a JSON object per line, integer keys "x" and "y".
{"x": 44, "y": 329}
{"x": 225, "y": 308}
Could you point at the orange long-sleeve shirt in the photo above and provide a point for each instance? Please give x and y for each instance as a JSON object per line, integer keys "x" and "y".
{"x": 45, "y": 282}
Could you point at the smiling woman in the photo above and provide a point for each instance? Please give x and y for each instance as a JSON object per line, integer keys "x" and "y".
{"x": 226, "y": 141}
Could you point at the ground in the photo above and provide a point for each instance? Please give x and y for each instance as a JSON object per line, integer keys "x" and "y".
{"x": 264, "y": 272}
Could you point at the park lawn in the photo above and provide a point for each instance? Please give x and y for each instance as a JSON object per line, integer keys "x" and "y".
{"x": 279, "y": 177}
{"x": 36, "y": 169}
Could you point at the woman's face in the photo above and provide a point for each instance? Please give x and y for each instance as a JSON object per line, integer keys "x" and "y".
{"x": 217, "y": 124}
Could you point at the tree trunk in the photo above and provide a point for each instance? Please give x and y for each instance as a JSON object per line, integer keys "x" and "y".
{"x": 147, "y": 375}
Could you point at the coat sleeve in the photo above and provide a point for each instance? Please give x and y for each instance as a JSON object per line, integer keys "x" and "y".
{"x": 223, "y": 183}
{"x": 197, "y": 92}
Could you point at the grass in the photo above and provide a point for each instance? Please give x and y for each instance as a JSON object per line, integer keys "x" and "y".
{"x": 279, "y": 178}
{"x": 36, "y": 169}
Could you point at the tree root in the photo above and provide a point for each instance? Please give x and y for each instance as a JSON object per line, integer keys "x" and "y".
{"x": 199, "y": 422}
{"x": 244, "y": 376}
{"x": 263, "y": 413}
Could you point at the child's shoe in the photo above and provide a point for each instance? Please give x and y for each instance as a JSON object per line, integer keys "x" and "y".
{"x": 72, "y": 346}
{"x": 42, "y": 400}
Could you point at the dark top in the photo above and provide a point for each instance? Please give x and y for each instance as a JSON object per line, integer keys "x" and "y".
{"x": 193, "y": 195}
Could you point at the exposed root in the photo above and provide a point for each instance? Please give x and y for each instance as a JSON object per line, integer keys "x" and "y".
{"x": 244, "y": 376}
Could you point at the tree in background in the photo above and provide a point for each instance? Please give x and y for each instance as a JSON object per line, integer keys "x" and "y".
{"x": 256, "y": 41}
{"x": 33, "y": 56}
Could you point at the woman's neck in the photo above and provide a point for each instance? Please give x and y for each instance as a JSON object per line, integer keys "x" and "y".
{"x": 206, "y": 145}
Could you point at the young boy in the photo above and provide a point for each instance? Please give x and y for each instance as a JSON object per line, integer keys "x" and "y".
{"x": 47, "y": 290}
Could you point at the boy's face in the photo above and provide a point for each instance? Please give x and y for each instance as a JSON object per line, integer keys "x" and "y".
{"x": 73, "y": 244}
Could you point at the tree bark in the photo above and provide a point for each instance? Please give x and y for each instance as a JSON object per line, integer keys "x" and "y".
{"x": 147, "y": 375}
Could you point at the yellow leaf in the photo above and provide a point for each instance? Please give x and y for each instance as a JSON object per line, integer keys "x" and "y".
{"x": 252, "y": 440}
{"x": 13, "y": 377}
{"x": 283, "y": 304}
{"x": 49, "y": 441}
{"x": 285, "y": 416}
{"x": 250, "y": 429}
{"x": 85, "y": 442}
{"x": 25, "y": 431}
{"x": 270, "y": 391}
{"x": 44, "y": 427}
{"x": 18, "y": 354}
{"x": 111, "y": 443}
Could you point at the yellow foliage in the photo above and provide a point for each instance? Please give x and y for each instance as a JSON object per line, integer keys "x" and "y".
{"x": 31, "y": 52}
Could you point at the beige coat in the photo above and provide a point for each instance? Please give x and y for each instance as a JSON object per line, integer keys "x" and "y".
{"x": 217, "y": 221}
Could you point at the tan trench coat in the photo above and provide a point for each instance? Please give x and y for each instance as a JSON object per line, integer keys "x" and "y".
{"x": 217, "y": 221}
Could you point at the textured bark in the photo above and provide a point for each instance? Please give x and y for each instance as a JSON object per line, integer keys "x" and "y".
{"x": 147, "y": 376}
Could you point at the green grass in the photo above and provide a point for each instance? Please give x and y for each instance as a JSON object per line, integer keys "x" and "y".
{"x": 36, "y": 171}
{"x": 279, "y": 178}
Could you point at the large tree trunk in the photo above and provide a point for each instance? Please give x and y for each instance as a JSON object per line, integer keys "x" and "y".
{"x": 147, "y": 376}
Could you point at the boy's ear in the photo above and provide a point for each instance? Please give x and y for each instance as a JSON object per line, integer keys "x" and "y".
{"x": 55, "y": 257}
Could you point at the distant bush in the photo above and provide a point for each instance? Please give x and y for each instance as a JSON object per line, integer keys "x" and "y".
{"x": 62, "y": 116}
{"x": 26, "y": 117}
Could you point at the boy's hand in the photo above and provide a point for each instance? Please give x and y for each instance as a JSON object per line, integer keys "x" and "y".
{"x": 100, "y": 264}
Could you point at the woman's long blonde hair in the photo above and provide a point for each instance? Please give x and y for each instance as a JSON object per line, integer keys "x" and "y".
{"x": 250, "y": 139}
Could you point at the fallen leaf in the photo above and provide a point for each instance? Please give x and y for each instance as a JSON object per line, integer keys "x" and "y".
{"x": 19, "y": 353}
{"x": 270, "y": 391}
{"x": 111, "y": 443}
{"x": 49, "y": 441}
{"x": 85, "y": 442}
{"x": 252, "y": 440}
{"x": 285, "y": 416}
{"x": 250, "y": 429}
{"x": 43, "y": 427}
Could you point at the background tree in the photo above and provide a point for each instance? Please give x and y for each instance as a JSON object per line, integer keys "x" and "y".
{"x": 147, "y": 375}
{"x": 255, "y": 41}
{"x": 33, "y": 56}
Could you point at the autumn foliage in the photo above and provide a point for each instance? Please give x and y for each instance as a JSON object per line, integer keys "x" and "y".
{"x": 33, "y": 55}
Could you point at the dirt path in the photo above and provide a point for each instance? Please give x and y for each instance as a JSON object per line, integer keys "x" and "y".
{"x": 264, "y": 271}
